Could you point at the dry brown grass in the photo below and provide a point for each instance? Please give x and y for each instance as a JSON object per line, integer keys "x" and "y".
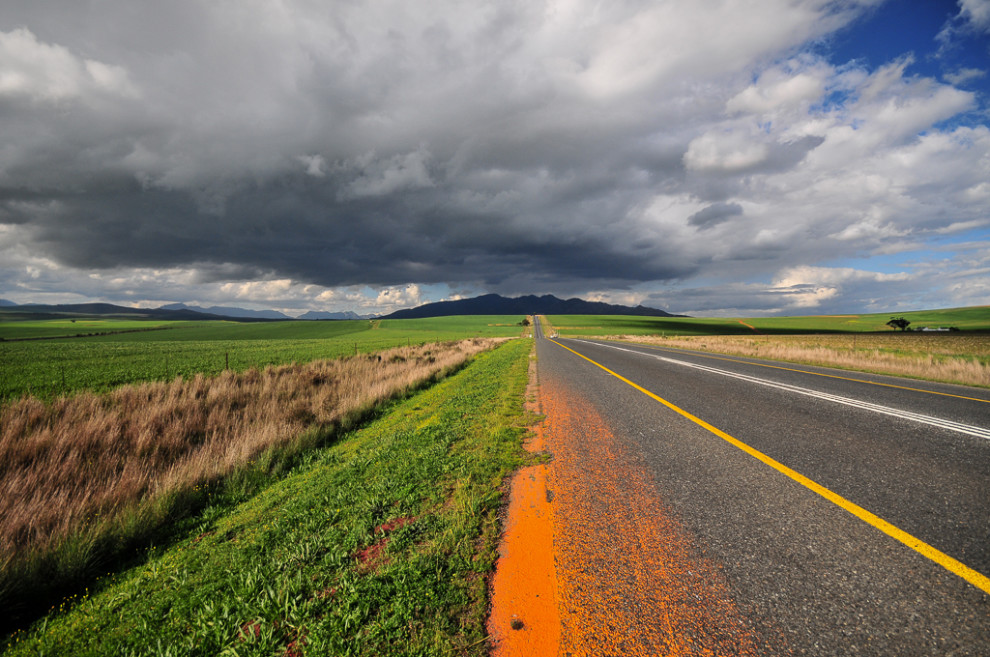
{"x": 950, "y": 358}
{"x": 83, "y": 459}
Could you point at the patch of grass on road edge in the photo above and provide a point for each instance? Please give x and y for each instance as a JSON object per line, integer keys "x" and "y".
{"x": 378, "y": 544}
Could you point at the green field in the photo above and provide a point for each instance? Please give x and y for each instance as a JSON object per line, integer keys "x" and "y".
{"x": 379, "y": 544}
{"x": 965, "y": 319}
{"x": 71, "y": 328}
{"x": 126, "y": 351}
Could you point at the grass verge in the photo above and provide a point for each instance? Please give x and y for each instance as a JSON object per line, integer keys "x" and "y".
{"x": 379, "y": 544}
{"x": 89, "y": 477}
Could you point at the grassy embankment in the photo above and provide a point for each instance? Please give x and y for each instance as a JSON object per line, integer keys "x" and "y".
{"x": 378, "y": 544}
{"x": 854, "y": 342}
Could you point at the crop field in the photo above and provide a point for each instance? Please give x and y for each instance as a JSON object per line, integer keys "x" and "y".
{"x": 965, "y": 319}
{"x": 70, "y": 328}
{"x": 47, "y": 368}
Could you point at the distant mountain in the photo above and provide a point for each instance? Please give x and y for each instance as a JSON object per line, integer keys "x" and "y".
{"x": 320, "y": 314}
{"x": 494, "y": 304}
{"x": 62, "y": 310}
{"x": 177, "y": 311}
{"x": 223, "y": 311}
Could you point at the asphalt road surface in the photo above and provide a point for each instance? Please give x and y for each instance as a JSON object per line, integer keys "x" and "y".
{"x": 723, "y": 505}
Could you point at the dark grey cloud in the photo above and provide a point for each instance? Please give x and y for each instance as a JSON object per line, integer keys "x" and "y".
{"x": 715, "y": 214}
{"x": 300, "y": 148}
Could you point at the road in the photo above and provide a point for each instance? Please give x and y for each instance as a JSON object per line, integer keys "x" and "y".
{"x": 722, "y": 505}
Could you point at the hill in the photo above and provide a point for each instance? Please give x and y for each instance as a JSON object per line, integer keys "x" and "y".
{"x": 73, "y": 310}
{"x": 318, "y": 314}
{"x": 225, "y": 311}
{"x": 494, "y": 304}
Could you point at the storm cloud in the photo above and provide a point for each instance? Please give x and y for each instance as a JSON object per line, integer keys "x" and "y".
{"x": 715, "y": 214}
{"x": 352, "y": 155}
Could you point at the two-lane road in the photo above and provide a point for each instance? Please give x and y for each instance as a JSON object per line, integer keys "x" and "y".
{"x": 832, "y": 513}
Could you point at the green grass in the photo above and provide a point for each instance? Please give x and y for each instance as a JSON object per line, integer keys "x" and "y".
{"x": 285, "y": 567}
{"x": 52, "y": 328}
{"x": 974, "y": 318}
{"x": 236, "y": 331}
{"x": 48, "y": 368}
{"x": 965, "y": 319}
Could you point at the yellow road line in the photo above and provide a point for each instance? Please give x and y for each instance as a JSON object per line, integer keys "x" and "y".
{"x": 791, "y": 369}
{"x": 974, "y": 577}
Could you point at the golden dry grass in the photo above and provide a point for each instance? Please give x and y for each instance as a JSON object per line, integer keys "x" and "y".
{"x": 949, "y": 358}
{"x": 83, "y": 459}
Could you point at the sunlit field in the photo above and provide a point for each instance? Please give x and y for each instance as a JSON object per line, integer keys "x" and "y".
{"x": 965, "y": 319}
{"x": 111, "y": 353}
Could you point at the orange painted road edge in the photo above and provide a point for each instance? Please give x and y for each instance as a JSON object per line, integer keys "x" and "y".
{"x": 954, "y": 566}
{"x": 524, "y": 618}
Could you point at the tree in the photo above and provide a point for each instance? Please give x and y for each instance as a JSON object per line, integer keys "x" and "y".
{"x": 898, "y": 323}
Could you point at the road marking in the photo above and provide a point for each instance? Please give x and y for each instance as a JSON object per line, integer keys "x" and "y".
{"x": 954, "y": 566}
{"x": 979, "y": 432}
{"x": 792, "y": 369}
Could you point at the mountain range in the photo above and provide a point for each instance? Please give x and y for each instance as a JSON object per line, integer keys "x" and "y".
{"x": 243, "y": 313}
{"x": 175, "y": 311}
{"x": 489, "y": 304}
{"x": 322, "y": 314}
{"x": 225, "y": 311}
{"x": 494, "y": 304}
{"x": 63, "y": 310}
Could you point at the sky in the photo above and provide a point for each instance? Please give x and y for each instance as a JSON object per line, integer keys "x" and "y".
{"x": 707, "y": 157}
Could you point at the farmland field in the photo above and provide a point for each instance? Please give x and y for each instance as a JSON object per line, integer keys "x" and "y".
{"x": 50, "y": 367}
{"x": 70, "y": 328}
